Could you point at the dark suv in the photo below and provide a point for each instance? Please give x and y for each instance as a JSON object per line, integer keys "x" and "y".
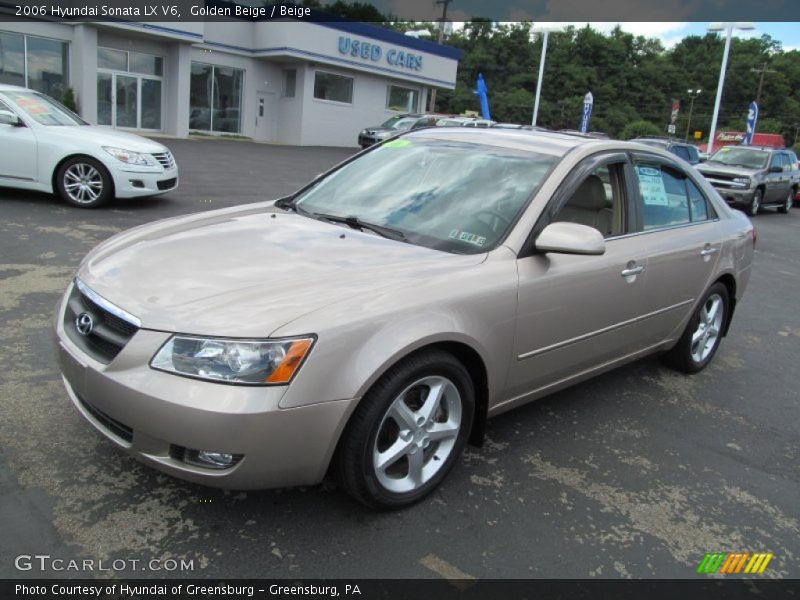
{"x": 685, "y": 151}
{"x": 397, "y": 124}
{"x": 754, "y": 176}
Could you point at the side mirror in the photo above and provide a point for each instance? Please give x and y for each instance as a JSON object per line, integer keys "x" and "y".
{"x": 776, "y": 169}
{"x": 9, "y": 118}
{"x": 570, "y": 238}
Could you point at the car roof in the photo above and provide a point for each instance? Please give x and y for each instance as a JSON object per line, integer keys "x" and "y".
{"x": 544, "y": 142}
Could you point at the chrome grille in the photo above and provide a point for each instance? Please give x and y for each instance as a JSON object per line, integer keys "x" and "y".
{"x": 165, "y": 159}
{"x": 109, "y": 333}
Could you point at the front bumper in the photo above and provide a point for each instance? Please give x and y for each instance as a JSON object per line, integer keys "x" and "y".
{"x": 132, "y": 183}
{"x": 739, "y": 197}
{"x": 157, "y": 416}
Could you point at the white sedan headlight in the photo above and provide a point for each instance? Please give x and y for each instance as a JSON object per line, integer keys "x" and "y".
{"x": 254, "y": 362}
{"x": 131, "y": 158}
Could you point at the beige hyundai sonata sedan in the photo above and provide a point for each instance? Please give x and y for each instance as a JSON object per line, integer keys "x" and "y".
{"x": 370, "y": 323}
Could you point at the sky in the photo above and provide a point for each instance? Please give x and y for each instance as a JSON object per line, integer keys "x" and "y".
{"x": 671, "y": 33}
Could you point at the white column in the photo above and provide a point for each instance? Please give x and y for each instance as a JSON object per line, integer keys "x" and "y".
{"x": 83, "y": 70}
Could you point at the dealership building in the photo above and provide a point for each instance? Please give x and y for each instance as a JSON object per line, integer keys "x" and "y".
{"x": 288, "y": 82}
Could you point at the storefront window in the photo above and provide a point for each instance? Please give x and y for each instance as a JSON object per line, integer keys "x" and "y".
{"x": 146, "y": 63}
{"x": 12, "y": 58}
{"x": 115, "y": 60}
{"x": 337, "y": 88}
{"x": 289, "y": 82}
{"x": 402, "y": 99}
{"x": 215, "y": 98}
{"x": 46, "y": 60}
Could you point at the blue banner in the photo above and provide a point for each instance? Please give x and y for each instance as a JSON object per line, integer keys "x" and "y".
{"x": 752, "y": 119}
{"x": 482, "y": 92}
{"x": 588, "y": 102}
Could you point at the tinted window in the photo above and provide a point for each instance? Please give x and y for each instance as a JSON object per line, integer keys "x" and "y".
{"x": 777, "y": 160}
{"x": 697, "y": 202}
{"x": 663, "y": 196}
{"x": 337, "y": 88}
{"x": 693, "y": 154}
{"x": 681, "y": 151}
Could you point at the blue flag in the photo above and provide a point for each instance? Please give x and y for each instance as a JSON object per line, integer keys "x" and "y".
{"x": 481, "y": 91}
{"x": 752, "y": 119}
{"x": 588, "y": 102}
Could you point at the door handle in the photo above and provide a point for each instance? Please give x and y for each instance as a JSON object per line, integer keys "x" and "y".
{"x": 708, "y": 251}
{"x": 632, "y": 271}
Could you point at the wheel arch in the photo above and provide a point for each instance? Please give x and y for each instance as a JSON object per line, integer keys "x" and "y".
{"x": 60, "y": 163}
{"x": 729, "y": 281}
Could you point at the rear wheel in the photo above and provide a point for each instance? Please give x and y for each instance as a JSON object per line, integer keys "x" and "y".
{"x": 755, "y": 203}
{"x": 84, "y": 182}
{"x": 407, "y": 432}
{"x": 703, "y": 334}
{"x": 787, "y": 205}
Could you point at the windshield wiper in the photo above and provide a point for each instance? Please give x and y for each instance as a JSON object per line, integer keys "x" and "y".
{"x": 356, "y": 223}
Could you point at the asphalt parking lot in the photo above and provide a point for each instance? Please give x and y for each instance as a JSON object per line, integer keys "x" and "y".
{"x": 637, "y": 473}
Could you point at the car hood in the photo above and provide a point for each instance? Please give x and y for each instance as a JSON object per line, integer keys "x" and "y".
{"x": 105, "y": 136}
{"x": 248, "y": 271}
{"x": 721, "y": 169}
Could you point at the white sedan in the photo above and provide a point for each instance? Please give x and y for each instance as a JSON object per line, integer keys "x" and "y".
{"x": 47, "y": 148}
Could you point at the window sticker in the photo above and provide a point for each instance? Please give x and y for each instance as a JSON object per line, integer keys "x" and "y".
{"x": 651, "y": 186}
{"x": 467, "y": 237}
{"x": 397, "y": 144}
{"x": 33, "y": 106}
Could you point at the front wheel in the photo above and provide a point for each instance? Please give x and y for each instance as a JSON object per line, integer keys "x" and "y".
{"x": 84, "y": 182}
{"x": 755, "y": 203}
{"x": 787, "y": 205}
{"x": 703, "y": 334}
{"x": 408, "y": 431}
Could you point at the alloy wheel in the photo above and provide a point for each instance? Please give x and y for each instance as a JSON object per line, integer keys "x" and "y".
{"x": 83, "y": 183}
{"x": 417, "y": 434}
{"x": 708, "y": 329}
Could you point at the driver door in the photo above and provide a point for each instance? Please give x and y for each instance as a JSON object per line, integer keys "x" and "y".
{"x": 575, "y": 312}
{"x": 18, "y": 152}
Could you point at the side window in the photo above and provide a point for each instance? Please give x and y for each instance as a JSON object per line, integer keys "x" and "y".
{"x": 694, "y": 155}
{"x": 663, "y": 194}
{"x": 776, "y": 161}
{"x": 698, "y": 205}
{"x": 682, "y": 152}
{"x": 599, "y": 201}
{"x": 787, "y": 162}
{"x": 792, "y": 161}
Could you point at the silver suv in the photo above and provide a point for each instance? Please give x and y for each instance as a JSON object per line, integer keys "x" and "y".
{"x": 754, "y": 176}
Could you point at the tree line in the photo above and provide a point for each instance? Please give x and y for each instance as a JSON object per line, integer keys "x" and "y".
{"x": 633, "y": 79}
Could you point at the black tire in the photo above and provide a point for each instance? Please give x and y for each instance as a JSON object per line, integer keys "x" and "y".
{"x": 681, "y": 356}
{"x": 788, "y": 203}
{"x": 755, "y": 203}
{"x": 99, "y": 187}
{"x": 354, "y": 462}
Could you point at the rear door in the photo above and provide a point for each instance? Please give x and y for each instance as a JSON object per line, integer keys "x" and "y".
{"x": 679, "y": 229}
{"x": 775, "y": 182}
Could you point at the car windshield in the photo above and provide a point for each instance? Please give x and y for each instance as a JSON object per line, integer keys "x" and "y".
{"x": 742, "y": 157}
{"x": 400, "y": 123}
{"x": 44, "y": 109}
{"x": 443, "y": 194}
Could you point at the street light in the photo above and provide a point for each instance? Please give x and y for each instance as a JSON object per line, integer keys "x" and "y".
{"x": 728, "y": 28}
{"x": 692, "y": 94}
{"x": 546, "y": 34}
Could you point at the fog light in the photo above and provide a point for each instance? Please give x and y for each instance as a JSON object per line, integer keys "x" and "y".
{"x": 137, "y": 183}
{"x": 221, "y": 460}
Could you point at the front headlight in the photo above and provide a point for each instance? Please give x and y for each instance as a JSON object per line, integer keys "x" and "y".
{"x": 131, "y": 158}
{"x": 267, "y": 362}
{"x": 742, "y": 180}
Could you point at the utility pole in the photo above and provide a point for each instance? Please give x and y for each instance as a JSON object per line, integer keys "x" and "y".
{"x": 692, "y": 94}
{"x": 762, "y": 70}
{"x": 444, "y": 3}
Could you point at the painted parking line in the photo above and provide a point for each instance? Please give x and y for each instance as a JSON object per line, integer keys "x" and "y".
{"x": 444, "y": 569}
